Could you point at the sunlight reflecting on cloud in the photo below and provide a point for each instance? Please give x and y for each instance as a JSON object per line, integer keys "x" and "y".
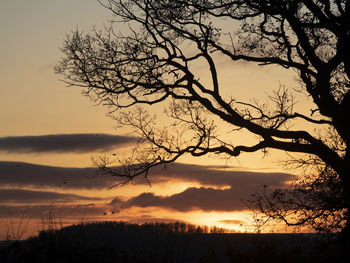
{"x": 198, "y": 194}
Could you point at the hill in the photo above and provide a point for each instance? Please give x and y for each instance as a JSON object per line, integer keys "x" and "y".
{"x": 160, "y": 242}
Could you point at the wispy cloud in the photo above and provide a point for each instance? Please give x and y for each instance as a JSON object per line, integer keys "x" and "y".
{"x": 62, "y": 210}
{"x": 39, "y": 176}
{"x": 24, "y": 174}
{"x": 219, "y": 176}
{"x": 64, "y": 143}
{"x": 46, "y": 197}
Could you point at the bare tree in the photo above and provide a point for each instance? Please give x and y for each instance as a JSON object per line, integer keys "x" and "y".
{"x": 152, "y": 59}
{"x": 315, "y": 202}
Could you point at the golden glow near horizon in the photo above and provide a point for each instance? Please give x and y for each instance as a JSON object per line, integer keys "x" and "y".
{"x": 34, "y": 102}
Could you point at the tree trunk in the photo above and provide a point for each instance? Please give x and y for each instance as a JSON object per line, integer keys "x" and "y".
{"x": 345, "y": 234}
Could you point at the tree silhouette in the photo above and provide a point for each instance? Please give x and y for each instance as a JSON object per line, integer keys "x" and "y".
{"x": 153, "y": 57}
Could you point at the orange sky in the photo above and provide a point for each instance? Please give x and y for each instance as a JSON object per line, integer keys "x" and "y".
{"x": 37, "y": 171}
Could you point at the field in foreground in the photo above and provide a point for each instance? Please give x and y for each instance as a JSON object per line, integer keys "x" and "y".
{"x": 122, "y": 242}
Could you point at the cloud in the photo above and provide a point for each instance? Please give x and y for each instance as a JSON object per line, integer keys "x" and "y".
{"x": 64, "y": 143}
{"x": 44, "y": 197}
{"x": 222, "y": 189}
{"x": 239, "y": 186}
{"x": 65, "y": 211}
{"x": 31, "y": 175}
{"x": 205, "y": 199}
{"x": 219, "y": 176}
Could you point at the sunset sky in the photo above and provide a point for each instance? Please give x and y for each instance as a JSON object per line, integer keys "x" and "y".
{"x": 49, "y": 132}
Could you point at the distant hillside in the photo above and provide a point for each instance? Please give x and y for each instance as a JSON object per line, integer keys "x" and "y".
{"x": 160, "y": 242}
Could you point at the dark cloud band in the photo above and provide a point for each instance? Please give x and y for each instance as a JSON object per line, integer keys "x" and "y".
{"x": 30, "y": 196}
{"x": 205, "y": 199}
{"x": 39, "y": 176}
{"x": 63, "y": 143}
{"x": 239, "y": 187}
{"x": 65, "y": 211}
{"x": 32, "y": 175}
{"x": 212, "y": 196}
